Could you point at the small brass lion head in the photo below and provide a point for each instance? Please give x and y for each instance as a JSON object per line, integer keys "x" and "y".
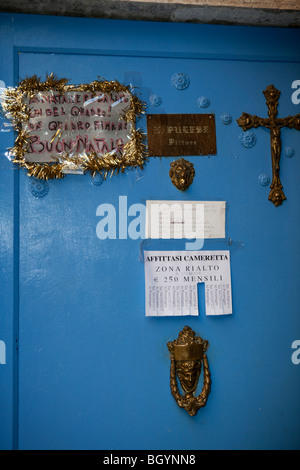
{"x": 182, "y": 174}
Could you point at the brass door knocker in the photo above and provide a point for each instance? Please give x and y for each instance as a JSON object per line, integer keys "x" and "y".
{"x": 187, "y": 353}
{"x": 182, "y": 173}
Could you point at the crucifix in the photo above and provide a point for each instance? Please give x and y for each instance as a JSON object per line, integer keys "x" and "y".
{"x": 247, "y": 121}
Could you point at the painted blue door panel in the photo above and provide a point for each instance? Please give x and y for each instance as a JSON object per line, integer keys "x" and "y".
{"x": 9, "y": 213}
{"x": 93, "y": 372}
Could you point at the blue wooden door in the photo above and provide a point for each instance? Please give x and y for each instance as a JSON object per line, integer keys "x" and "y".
{"x": 85, "y": 369}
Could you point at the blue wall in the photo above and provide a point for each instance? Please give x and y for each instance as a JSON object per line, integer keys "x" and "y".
{"x": 92, "y": 372}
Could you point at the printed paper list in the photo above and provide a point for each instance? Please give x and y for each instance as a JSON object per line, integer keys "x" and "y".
{"x": 171, "y": 279}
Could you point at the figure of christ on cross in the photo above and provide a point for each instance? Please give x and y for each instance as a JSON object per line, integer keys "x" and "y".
{"x": 247, "y": 121}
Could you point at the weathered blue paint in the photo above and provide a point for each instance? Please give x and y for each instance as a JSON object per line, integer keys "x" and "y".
{"x": 92, "y": 371}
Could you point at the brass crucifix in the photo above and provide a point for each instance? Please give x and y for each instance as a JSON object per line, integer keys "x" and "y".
{"x": 247, "y": 121}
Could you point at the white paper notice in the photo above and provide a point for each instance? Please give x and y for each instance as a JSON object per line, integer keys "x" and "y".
{"x": 171, "y": 279}
{"x": 185, "y": 219}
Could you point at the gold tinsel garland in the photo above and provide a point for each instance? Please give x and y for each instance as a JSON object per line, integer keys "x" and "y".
{"x": 17, "y": 111}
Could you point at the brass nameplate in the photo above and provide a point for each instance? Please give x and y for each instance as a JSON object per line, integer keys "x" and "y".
{"x": 181, "y": 134}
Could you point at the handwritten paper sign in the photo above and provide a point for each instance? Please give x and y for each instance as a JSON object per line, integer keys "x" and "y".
{"x": 171, "y": 279}
{"x": 76, "y": 122}
{"x": 62, "y": 127}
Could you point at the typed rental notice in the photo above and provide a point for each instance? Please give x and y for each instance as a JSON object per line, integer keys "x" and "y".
{"x": 171, "y": 279}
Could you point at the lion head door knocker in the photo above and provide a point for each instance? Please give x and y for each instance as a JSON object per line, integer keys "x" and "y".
{"x": 182, "y": 174}
{"x": 187, "y": 354}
